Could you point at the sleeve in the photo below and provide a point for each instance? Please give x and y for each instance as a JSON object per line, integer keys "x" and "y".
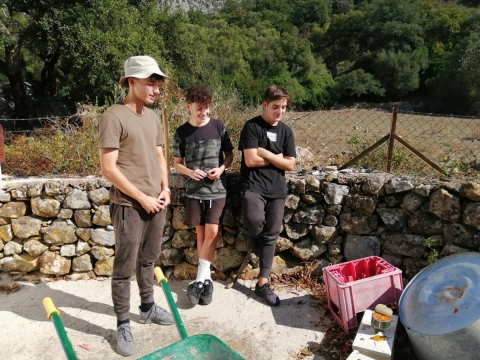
{"x": 289, "y": 146}
{"x": 178, "y": 145}
{"x": 226, "y": 142}
{"x": 249, "y": 137}
{"x": 110, "y": 131}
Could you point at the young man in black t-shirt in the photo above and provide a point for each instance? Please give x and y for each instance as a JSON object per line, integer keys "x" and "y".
{"x": 202, "y": 151}
{"x": 268, "y": 150}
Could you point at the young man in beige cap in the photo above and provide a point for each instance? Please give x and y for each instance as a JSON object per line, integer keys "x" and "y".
{"x": 131, "y": 157}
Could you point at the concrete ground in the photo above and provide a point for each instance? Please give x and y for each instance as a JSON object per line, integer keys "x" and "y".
{"x": 236, "y": 316}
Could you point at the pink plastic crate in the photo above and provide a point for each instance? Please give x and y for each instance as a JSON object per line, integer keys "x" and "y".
{"x": 358, "y": 285}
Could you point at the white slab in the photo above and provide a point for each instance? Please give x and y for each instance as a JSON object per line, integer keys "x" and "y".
{"x": 355, "y": 355}
{"x": 364, "y": 344}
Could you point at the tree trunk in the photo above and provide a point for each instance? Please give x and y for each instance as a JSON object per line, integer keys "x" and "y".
{"x": 49, "y": 73}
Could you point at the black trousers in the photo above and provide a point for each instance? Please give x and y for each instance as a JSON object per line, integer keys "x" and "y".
{"x": 262, "y": 219}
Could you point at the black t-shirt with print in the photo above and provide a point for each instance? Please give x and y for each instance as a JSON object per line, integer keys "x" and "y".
{"x": 268, "y": 181}
{"x": 203, "y": 148}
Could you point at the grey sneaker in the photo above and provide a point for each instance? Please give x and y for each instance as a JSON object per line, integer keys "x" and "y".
{"x": 157, "y": 315}
{"x": 125, "y": 343}
{"x": 270, "y": 297}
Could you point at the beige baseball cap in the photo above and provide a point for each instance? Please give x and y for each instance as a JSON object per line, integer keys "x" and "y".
{"x": 140, "y": 67}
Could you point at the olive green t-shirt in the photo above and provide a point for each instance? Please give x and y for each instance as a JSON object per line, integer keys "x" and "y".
{"x": 136, "y": 137}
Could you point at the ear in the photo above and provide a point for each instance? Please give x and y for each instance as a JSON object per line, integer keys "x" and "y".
{"x": 131, "y": 82}
{"x": 264, "y": 104}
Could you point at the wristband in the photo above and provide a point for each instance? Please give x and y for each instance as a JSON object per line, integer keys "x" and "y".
{"x": 166, "y": 189}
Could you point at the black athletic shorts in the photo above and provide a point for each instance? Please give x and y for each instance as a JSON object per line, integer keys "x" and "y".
{"x": 201, "y": 212}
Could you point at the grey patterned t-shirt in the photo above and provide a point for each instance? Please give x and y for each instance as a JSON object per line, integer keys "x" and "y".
{"x": 203, "y": 148}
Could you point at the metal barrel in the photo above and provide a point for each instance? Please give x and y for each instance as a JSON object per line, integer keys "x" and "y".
{"x": 54, "y": 314}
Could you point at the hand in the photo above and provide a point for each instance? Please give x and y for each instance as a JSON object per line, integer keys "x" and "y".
{"x": 215, "y": 173}
{"x": 197, "y": 174}
{"x": 164, "y": 199}
{"x": 151, "y": 205}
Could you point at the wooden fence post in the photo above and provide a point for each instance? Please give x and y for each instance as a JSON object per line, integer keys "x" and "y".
{"x": 391, "y": 140}
{"x": 165, "y": 131}
{"x": 2, "y": 151}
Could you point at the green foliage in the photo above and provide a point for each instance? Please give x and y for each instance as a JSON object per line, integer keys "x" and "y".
{"x": 358, "y": 83}
{"x": 433, "y": 253}
{"x": 323, "y": 51}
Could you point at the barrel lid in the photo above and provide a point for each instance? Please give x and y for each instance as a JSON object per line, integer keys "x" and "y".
{"x": 443, "y": 297}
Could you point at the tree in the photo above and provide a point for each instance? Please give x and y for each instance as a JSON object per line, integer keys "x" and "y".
{"x": 358, "y": 83}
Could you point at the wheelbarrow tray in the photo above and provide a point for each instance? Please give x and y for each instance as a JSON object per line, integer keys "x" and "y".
{"x": 201, "y": 347}
{"x": 196, "y": 347}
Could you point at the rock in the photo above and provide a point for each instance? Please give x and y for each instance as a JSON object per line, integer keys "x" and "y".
{"x": 99, "y": 196}
{"x": 12, "y": 247}
{"x": 65, "y": 214}
{"x": 102, "y": 216}
{"x": 242, "y": 242}
{"x": 309, "y": 215}
{"x": 13, "y": 210}
{"x": 445, "y": 205}
{"x": 82, "y": 263}
{"x": 34, "y": 247}
{"x": 228, "y": 219}
{"x": 54, "y": 264}
{"x": 404, "y": 244}
{"x": 296, "y": 231}
{"x": 53, "y": 187}
{"x": 334, "y": 193}
{"x": 84, "y": 234}
{"x": 307, "y": 249}
{"x": 412, "y": 202}
{"x": 362, "y": 204}
{"x": 396, "y": 185}
{"x": 77, "y": 200}
{"x": 6, "y": 233}
{"x": 471, "y": 191}
{"x": 23, "y": 263}
{"x": 226, "y": 258}
{"x": 450, "y": 249}
{"x": 178, "y": 220}
{"x": 103, "y": 237}
{"x": 392, "y": 259}
{"x": 101, "y": 252}
{"x": 46, "y": 208}
{"x": 59, "y": 233}
{"x": 324, "y": 234}
{"x": 82, "y": 248}
{"x": 296, "y": 186}
{"x": 471, "y": 215}
{"x": 184, "y": 238}
{"x": 461, "y": 235}
{"x": 312, "y": 184}
{"x": 67, "y": 250}
{"x": 104, "y": 267}
{"x": 421, "y": 222}
{"x": 171, "y": 256}
{"x": 26, "y": 227}
{"x": 358, "y": 224}
{"x": 414, "y": 266}
{"x": 185, "y": 271}
{"x": 330, "y": 220}
{"x": 191, "y": 255}
{"x": 394, "y": 219}
{"x": 83, "y": 218}
{"x": 282, "y": 244}
{"x": 357, "y": 247}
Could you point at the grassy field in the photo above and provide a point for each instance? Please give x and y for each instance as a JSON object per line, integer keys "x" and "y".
{"x": 331, "y": 138}
{"x": 335, "y": 137}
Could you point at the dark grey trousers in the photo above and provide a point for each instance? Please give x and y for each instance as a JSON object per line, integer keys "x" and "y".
{"x": 262, "y": 219}
{"x": 138, "y": 243}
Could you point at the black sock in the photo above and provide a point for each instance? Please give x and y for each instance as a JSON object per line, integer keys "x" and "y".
{"x": 121, "y": 322}
{"x": 146, "y": 307}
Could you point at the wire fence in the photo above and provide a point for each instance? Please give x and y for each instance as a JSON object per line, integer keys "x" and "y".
{"x": 337, "y": 136}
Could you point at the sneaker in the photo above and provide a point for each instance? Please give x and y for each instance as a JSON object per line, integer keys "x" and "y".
{"x": 125, "y": 343}
{"x": 157, "y": 315}
{"x": 194, "y": 291}
{"x": 206, "y": 295}
{"x": 270, "y": 297}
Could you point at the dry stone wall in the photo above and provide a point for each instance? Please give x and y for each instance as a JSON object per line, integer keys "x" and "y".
{"x": 62, "y": 227}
